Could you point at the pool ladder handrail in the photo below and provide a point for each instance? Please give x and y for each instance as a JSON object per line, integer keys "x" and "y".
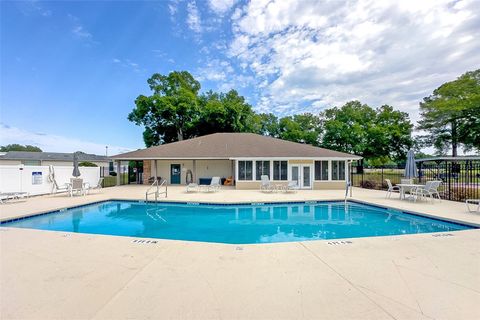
{"x": 157, "y": 191}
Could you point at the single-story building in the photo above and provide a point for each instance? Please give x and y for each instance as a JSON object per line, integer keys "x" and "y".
{"x": 243, "y": 157}
{"x": 29, "y": 158}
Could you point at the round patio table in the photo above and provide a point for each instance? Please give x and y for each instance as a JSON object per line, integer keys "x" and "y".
{"x": 404, "y": 186}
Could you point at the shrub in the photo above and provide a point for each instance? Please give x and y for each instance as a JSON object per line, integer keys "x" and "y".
{"x": 112, "y": 173}
{"x": 87, "y": 164}
{"x": 368, "y": 184}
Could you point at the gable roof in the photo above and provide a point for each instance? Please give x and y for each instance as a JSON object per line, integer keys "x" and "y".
{"x": 54, "y": 156}
{"x": 231, "y": 146}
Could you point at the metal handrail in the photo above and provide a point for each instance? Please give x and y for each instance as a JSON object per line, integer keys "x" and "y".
{"x": 157, "y": 190}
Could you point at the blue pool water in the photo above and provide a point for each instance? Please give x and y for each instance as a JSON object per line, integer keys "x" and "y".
{"x": 238, "y": 224}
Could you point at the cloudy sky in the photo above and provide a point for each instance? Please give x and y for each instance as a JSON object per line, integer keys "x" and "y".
{"x": 70, "y": 71}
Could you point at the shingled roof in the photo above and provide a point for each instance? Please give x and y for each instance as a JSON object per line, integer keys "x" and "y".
{"x": 55, "y": 156}
{"x": 231, "y": 146}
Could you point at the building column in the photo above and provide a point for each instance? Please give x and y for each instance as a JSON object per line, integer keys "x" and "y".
{"x": 118, "y": 172}
{"x": 155, "y": 169}
{"x": 194, "y": 171}
{"x": 147, "y": 170}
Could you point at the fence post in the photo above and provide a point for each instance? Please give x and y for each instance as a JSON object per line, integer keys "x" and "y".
{"x": 381, "y": 182}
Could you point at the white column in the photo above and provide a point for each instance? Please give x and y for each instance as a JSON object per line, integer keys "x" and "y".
{"x": 236, "y": 171}
{"x": 330, "y": 170}
{"x": 155, "y": 165}
{"x": 118, "y": 173}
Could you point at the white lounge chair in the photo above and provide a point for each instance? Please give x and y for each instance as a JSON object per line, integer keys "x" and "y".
{"x": 429, "y": 190}
{"x": 214, "y": 185}
{"x": 77, "y": 186}
{"x": 192, "y": 187}
{"x": 292, "y": 186}
{"x": 391, "y": 188}
{"x": 60, "y": 188}
{"x": 98, "y": 186}
{"x": 5, "y": 196}
{"x": 469, "y": 202}
{"x": 266, "y": 184}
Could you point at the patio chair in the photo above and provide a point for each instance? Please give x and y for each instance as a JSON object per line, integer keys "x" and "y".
{"x": 98, "y": 186}
{"x": 391, "y": 188}
{"x": 214, "y": 185}
{"x": 228, "y": 181}
{"x": 57, "y": 188}
{"x": 266, "y": 184}
{"x": 292, "y": 186}
{"x": 77, "y": 186}
{"x": 192, "y": 187}
{"x": 469, "y": 202}
{"x": 5, "y": 196}
{"x": 429, "y": 190}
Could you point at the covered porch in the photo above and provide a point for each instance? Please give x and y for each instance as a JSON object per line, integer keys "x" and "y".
{"x": 185, "y": 171}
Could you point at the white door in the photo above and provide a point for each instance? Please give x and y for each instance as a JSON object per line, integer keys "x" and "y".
{"x": 302, "y": 174}
{"x": 306, "y": 177}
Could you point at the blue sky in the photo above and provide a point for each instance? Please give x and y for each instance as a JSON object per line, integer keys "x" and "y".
{"x": 70, "y": 71}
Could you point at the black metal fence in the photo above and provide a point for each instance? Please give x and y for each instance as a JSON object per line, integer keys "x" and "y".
{"x": 460, "y": 178}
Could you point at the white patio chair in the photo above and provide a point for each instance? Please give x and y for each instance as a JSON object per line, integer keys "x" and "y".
{"x": 214, "y": 185}
{"x": 292, "y": 186}
{"x": 98, "y": 186}
{"x": 191, "y": 187}
{"x": 76, "y": 186}
{"x": 469, "y": 202}
{"x": 429, "y": 190}
{"x": 57, "y": 188}
{"x": 391, "y": 188}
{"x": 5, "y": 196}
{"x": 266, "y": 184}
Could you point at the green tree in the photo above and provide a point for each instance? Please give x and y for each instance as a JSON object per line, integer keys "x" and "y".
{"x": 375, "y": 134}
{"x": 451, "y": 115}
{"x": 224, "y": 112}
{"x": 302, "y": 128}
{"x": 171, "y": 112}
{"x": 267, "y": 125}
{"x": 19, "y": 147}
{"x": 87, "y": 164}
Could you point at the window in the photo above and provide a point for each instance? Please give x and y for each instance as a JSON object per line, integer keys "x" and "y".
{"x": 280, "y": 170}
{"x": 262, "y": 168}
{"x": 338, "y": 170}
{"x": 321, "y": 170}
{"x": 31, "y": 162}
{"x": 245, "y": 171}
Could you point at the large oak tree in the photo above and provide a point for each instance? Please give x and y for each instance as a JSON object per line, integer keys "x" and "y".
{"x": 451, "y": 115}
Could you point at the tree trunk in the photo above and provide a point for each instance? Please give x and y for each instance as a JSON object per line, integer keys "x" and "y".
{"x": 180, "y": 134}
{"x": 454, "y": 138}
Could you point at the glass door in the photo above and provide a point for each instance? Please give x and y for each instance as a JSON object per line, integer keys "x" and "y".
{"x": 296, "y": 174}
{"x": 302, "y": 174}
{"x": 306, "y": 177}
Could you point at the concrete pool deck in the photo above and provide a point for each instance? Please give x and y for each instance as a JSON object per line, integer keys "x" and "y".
{"x": 47, "y": 275}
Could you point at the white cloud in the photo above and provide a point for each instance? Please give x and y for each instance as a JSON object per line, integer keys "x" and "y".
{"x": 221, "y": 7}
{"x": 54, "y": 143}
{"x": 307, "y": 55}
{"x": 79, "y": 31}
{"x": 127, "y": 63}
{"x": 193, "y": 17}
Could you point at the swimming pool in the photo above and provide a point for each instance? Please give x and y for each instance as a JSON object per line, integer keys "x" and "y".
{"x": 235, "y": 224}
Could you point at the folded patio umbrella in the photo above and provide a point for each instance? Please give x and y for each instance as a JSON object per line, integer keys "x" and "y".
{"x": 76, "y": 171}
{"x": 410, "y": 166}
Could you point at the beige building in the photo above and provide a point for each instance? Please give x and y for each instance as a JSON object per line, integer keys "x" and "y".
{"x": 243, "y": 157}
{"x": 29, "y": 158}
